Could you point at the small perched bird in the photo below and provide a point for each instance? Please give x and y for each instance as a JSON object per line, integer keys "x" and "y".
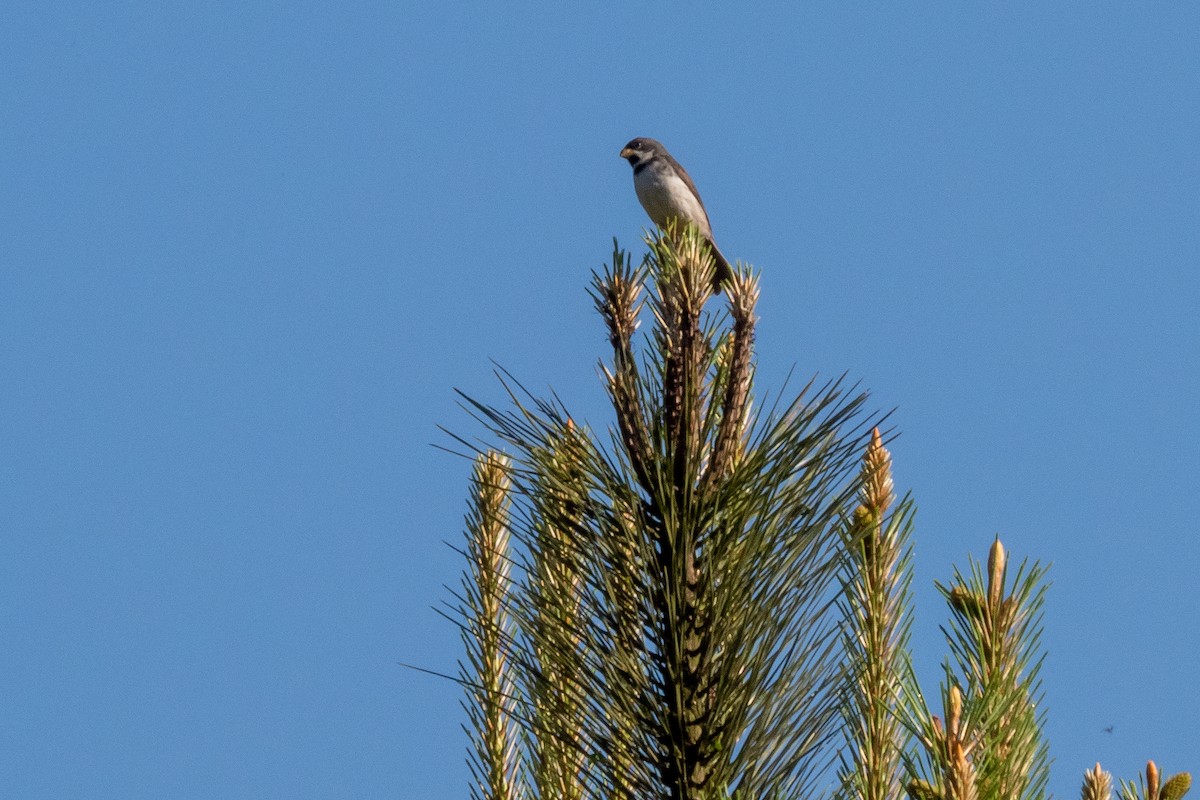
{"x": 667, "y": 193}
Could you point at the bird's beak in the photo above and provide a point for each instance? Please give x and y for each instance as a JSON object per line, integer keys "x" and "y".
{"x": 627, "y": 152}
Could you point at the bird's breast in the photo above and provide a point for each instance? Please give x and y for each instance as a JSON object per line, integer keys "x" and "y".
{"x": 666, "y": 197}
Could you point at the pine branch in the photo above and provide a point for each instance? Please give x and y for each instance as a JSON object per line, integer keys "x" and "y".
{"x": 991, "y": 687}
{"x": 1097, "y": 785}
{"x": 877, "y": 610}
{"x": 1152, "y": 787}
{"x": 488, "y": 635}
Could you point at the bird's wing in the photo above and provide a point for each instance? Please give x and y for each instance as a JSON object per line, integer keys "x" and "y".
{"x": 687, "y": 179}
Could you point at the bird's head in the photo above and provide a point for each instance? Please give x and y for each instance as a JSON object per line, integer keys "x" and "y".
{"x": 640, "y": 150}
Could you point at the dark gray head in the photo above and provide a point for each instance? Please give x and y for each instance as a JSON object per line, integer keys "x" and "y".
{"x": 641, "y": 150}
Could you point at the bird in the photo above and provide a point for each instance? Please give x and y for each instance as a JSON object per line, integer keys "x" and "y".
{"x": 668, "y": 194}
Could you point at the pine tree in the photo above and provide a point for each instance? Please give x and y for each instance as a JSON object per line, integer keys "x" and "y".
{"x": 709, "y": 600}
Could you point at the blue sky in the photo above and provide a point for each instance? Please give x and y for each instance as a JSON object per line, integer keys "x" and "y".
{"x": 250, "y": 248}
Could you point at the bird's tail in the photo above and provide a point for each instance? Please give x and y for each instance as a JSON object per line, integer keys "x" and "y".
{"x": 724, "y": 271}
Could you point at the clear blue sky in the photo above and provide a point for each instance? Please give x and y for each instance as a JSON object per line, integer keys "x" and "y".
{"x": 249, "y": 248}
